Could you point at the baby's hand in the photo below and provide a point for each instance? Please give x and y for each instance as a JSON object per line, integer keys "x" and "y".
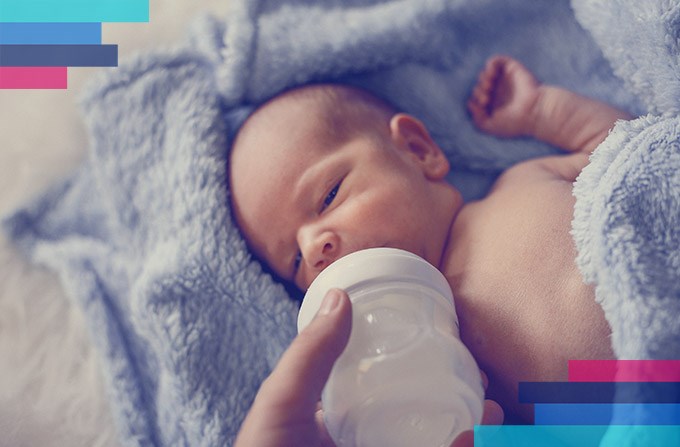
{"x": 503, "y": 101}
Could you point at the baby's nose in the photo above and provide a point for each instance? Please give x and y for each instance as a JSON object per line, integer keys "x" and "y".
{"x": 322, "y": 251}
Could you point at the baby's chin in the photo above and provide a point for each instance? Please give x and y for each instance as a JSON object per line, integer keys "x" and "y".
{"x": 436, "y": 254}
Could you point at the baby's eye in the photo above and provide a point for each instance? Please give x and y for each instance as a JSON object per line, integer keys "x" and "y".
{"x": 296, "y": 262}
{"x": 331, "y": 195}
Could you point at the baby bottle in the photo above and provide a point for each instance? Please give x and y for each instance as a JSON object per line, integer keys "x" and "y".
{"x": 405, "y": 378}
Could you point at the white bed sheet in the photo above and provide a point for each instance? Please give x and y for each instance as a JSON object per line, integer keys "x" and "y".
{"x": 51, "y": 391}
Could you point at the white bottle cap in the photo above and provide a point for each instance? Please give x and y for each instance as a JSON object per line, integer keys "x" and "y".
{"x": 372, "y": 264}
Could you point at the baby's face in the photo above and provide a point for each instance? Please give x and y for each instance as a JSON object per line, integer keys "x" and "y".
{"x": 304, "y": 196}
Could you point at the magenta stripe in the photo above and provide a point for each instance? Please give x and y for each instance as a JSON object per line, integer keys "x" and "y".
{"x": 624, "y": 370}
{"x": 33, "y": 78}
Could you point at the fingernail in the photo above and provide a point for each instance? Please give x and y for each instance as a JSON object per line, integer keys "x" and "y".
{"x": 330, "y": 302}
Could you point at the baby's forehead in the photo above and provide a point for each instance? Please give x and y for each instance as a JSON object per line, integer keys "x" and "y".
{"x": 284, "y": 129}
{"x": 282, "y": 114}
{"x": 309, "y": 119}
{"x": 306, "y": 120}
{"x": 333, "y": 105}
{"x": 316, "y": 97}
{"x": 267, "y": 158}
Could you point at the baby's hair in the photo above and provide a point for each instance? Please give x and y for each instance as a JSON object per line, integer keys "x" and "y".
{"x": 348, "y": 109}
{"x": 343, "y": 110}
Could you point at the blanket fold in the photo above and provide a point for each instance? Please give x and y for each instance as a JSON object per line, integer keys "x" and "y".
{"x": 139, "y": 236}
{"x": 627, "y": 230}
{"x": 641, "y": 40}
{"x": 187, "y": 324}
{"x": 627, "y": 216}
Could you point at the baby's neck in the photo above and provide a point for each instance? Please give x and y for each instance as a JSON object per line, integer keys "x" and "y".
{"x": 456, "y": 246}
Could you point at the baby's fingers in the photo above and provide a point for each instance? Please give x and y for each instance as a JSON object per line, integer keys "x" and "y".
{"x": 483, "y": 91}
{"x": 480, "y": 115}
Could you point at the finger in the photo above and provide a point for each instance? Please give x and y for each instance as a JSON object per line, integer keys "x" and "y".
{"x": 493, "y": 413}
{"x": 481, "y": 92}
{"x": 477, "y": 110}
{"x": 485, "y": 379}
{"x": 302, "y": 371}
{"x": 465, "y": 439}
{"x": 495, "y": 64}
{"x": 324, "y": 437}
{"x": 484, "y": 80}
{"x": 480, "y": 117}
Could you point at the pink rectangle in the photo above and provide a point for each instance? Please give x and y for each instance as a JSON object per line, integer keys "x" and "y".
{"x": 33, "y": 77}
{"x": 624, "y": 370}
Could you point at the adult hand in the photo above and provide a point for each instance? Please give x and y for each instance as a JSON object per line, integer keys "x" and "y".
{"x": 492, "y": 415}
{"x": 286, "y": 410}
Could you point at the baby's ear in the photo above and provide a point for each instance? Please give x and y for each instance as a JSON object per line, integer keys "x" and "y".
{"x": 411, "y": 135}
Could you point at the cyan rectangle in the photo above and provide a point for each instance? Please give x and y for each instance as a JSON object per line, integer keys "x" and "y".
{"x": 575, "y": 435}
{"x": 50, "y": 33}
{"x": 601, "y": 414}
{"x": 599, "y": 392}
{"x": 58, "y": 55}
{"x": 74, "y": 10}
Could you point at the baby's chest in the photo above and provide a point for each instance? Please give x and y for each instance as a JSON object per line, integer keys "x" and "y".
{"x": 519, "y": 273}
{"x": 525, "y": 230}
{"x": 524, "y": 307}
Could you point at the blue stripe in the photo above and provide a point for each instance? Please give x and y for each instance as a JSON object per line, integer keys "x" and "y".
{"x": 74, "y": 11}
{"x": 599, "y": 392}
{"x": 58, "y": 55}
{"x": 50, "y": 33}
{"x": 601, "y": 414}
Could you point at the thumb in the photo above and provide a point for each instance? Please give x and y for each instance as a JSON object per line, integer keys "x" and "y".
{"x": 302, "y": 372}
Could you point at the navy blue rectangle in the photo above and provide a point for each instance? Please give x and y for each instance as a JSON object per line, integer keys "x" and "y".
{"x": 58, "y": 55}
{"x": 599, "y": 392}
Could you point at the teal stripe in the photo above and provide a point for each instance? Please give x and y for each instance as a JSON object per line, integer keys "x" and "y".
{"x": 576, "y": 435}
{"x": 74, "y": 10}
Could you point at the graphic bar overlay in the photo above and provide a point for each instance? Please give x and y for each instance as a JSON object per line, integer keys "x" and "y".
{"x": 33, "y": 78}
{"x": 74, "y": 11}
{"x": 50, "y": 33}
{"x": 624, "y": 370}
{"x": 575, "y": 435}
{"x": 599, "y": 392}
{"x": 58, "y": 55}
{"x": 632, "y": 403}
{"x": 39, "y": 39}
{"x": 602, "y": 414}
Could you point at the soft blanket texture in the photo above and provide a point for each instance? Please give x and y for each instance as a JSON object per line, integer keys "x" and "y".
{"x": 187, "y": 323}
{"x": 627, "y": 215}
{"x": 627, "y": 229}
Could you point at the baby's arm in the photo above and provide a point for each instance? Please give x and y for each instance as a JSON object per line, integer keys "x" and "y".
{"x": 508, "y": 101}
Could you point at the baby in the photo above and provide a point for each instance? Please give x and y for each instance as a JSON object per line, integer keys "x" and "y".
{"x": 321, "y": 171}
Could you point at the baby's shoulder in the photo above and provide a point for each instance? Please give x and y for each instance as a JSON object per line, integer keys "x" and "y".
{"x": 561, "y": 168}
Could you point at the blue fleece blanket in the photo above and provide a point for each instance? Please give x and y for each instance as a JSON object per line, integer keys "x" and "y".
{"x": 186, "y": 322}
{"x": 627, "y": 216}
